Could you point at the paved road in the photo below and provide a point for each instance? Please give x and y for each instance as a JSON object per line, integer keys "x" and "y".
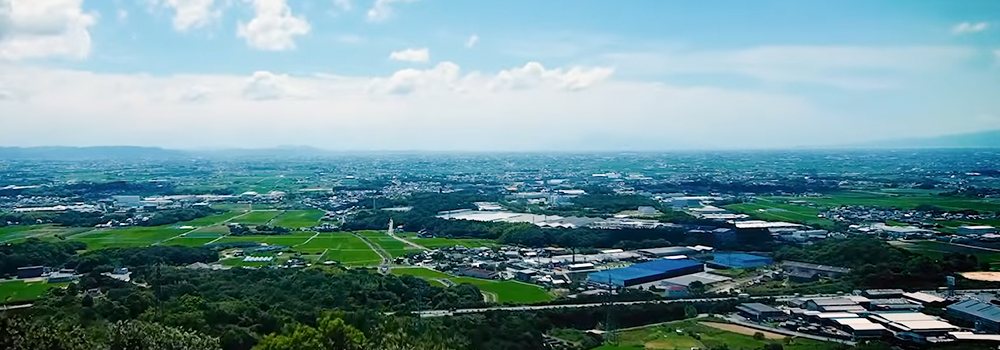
{"x": 386, "y": 258}
{"x": 404, "y": 240}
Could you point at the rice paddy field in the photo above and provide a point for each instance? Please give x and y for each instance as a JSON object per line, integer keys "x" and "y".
{"x": 20, "y": 291}
{"x": 504, "y": 291}
{"x": 298, "y": 218}
{"x": 282, "y": 240}
{"x": 902, "y": 199}
{"x": 127, "y": 237}
{"x": 257, "y": 217}
{"x": 937, "y": 250}
{"x": 19, "y": 233}
{"x": 710, "y": 335}
{"x": 767, "y": 210}
{"x": 432, "y": 243}
{"x": 390, "y": 245}
{"x": 341, "y": 247}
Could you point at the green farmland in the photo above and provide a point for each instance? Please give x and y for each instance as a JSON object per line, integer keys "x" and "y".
{"x": 680, "y": 335}
{"x": 257, "y": 217}
{"x": 505, "y": 291}
{"x": 937, "y": 250}
{"x": 134, "y": 236}
{"x": 44, "y": 232}
{"x": 298, "y": 218}
{"x": 20, "y": 291}
{"x": 897, "y": 199}
{"x": 432, "y": 243}
{"x": 341, "y": 247}
{"x": 767, "y": 210}
{"x": 394, "y": 247}
{"x": 282, "y": 240}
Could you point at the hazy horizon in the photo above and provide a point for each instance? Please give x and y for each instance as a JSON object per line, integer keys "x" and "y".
{"x": 409, "y": 75}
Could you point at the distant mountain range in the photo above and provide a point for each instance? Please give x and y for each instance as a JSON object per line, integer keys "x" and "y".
{"x": 984, "y": 139}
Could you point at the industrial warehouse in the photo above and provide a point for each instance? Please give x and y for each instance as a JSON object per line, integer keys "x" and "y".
{"x": 647, "y": 272}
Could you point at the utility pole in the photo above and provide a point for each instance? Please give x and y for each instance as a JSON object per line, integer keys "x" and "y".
{"x": 610, "y": 329}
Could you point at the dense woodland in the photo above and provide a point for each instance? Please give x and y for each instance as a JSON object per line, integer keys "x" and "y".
{"x": 876, "y": 264}
{"x": 90, "y": 219}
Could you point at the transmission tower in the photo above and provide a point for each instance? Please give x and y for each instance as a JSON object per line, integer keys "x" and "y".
{"x": 610, "y": 328}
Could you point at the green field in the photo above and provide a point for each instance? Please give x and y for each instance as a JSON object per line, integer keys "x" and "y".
{"x": 394, "y": 247}
{"x": 432, "y": 243}
{"x": 666, "y": 336}
{"x": 15, "y": 291}
{"x": 44, "y": 232}
{"x": 506, "y": 291}
{"x": 210, "y": 220}
{"x": 282, "y": 240}
{"x": 341, "y": 247}
{"x": 902, "y": 199}
{"x": 298, "y": 218}
{"x": 767, "y": 210}
{"x": 134, "y": 236}
{"x": 257, "y": 217}
{"x": 937, "y": 250}
{"x": 191, "y": 242}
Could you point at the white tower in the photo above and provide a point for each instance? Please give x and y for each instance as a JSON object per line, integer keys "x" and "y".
{"x": 392, "y": 227}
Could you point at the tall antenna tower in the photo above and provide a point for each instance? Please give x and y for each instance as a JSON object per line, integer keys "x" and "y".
{"x": 610, "y": 328}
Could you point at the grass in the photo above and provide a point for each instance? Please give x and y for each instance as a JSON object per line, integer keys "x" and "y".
{"x": 210, "y": 220}
{"x": 937, "y": 250}
{"x": 394, "y": 247}
{"x": 432, "y": 243}
{"x": 767, "y": 210}
{"x": 506, "y": 291}
{"x": 896, "y": 198}
{"x": 190, "y": 242}
{"x": 665, "y": 336}
{"x": 341, "y": 247}
{"x": 134, "y": 236}
{"x": 282, "y": 240}
{"x": 299, "y": 218}
{"x": 257, "y": 217}
{"x": 18, "y": 291}
{"x": 20, "y": 232}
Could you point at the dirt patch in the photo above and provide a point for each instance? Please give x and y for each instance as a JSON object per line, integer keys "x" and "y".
{"x": 982, "y": 276}
{"x": 742, "y": 330}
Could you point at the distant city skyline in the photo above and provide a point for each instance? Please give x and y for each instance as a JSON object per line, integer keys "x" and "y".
{"x": 515, "y": 75}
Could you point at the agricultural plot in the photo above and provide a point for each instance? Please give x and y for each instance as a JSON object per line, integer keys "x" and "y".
{"x": 899, "y": 199}
{"x": 127, "y": 237}
{"x": 937, "y": 250}
{"x": 451, "y": 242}
{"x": 505, "y": 291}
{"x": 210, "y": 220}
{"x": 681, "y": 335}
{"x": 257, "y": 217}
{"x": 282, "y": 240}
{"x": 44, "y": 232}
{"x": 394, "y": 247}
{"x": 298, "y": 218}
{"x": 17, "y": 291}
{"x": 195, "y": 238}
{"x": 340, "y": 247}
{"x": 766, "y": 210}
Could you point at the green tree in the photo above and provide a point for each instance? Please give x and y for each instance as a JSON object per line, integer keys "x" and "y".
{"x": 690, "y": 311}
{"x": 758, "y": 336}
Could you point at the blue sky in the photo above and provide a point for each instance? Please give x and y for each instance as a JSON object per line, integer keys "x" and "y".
{"x": 495, "y": 75}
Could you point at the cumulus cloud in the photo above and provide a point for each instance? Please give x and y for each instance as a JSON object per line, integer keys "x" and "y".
{"x": 442, "y": 77}
{"x": 533, "y": 74}
{"x": 44, "y": 28}
{"x": 968, "y": 27}
{"x": 411, "y": 55}
{"x": 273, "y": 27}
{"x": 472, "y": 41}
{"x": 445, "y": 76}
{"x": 191, "y": 14}
{"x": 264, "y": 85}
{"x": 382, "y": 9}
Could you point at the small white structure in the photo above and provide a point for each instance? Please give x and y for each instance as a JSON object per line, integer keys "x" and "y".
{"x": 976, "y": 230}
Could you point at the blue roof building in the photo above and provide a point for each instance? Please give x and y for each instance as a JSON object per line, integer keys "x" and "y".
{"x": 646, "y": 272}
{"x": 740, "y": 260}
{"x": 985, "y": 317}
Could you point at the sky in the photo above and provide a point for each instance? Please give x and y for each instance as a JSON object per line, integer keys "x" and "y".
{"x": 514, "y": 75}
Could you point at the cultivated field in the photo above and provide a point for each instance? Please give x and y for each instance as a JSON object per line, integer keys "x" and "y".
{"x": 17, "y": 291}
{"x": 898, "y": 199}
{"x": 432, "y": 243}
{"x": 257, "y": 217}
{"x": 680, "y": 335}
{"x": 341, "y": 247}
{"x": 282, "y": 240}
{"x": 505, "y": 291}
{"x": 298, "y": 218}
{"x": 937, "y": 250}
{"x": 44, "y": 232}
{"x": 134, "y": 236}
{"x": 767, "y": 210}
{"x": 394, "y": 247}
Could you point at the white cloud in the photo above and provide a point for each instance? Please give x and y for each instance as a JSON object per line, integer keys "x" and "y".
{"x": 533, "y": 75}
{"x": 382, "y": 9}
{"x": 274, "y": 27}
{"x": 191, "y": 14}
{"x": 968, "y": 27}
{"x": 843, "y": 67}
{"x": 444, "y": 77}
{"x": 411, "y": 55}
{"x": 122, "y": 15}
{"x": 472, "y": 41}
{"x": 264, "y": 85}
{"x": 44, "y": 28}
{"x": 342, "y": 5}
